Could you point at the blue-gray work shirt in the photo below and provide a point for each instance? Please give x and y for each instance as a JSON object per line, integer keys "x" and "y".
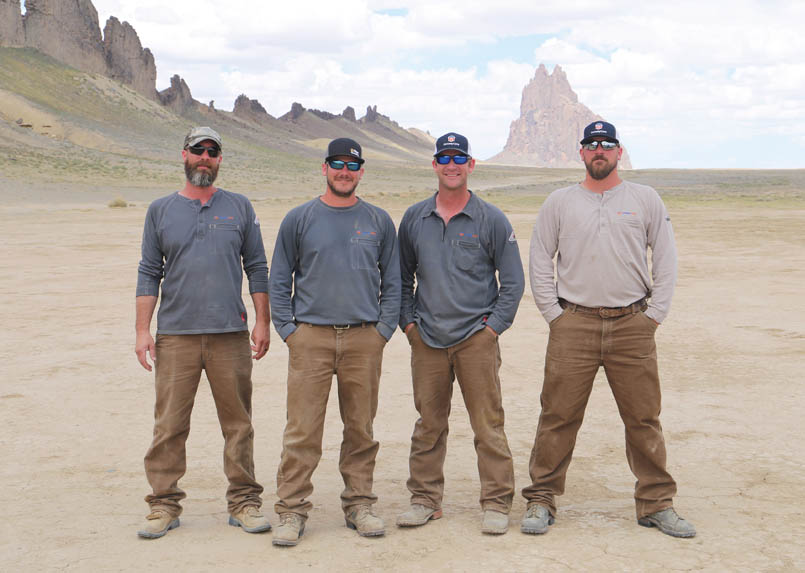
{"x": 195, "y": 251}
{"x": 335, "y": 265}
{"x": 457, "y": 292}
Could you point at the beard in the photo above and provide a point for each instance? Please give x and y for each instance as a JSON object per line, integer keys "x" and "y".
{"x": 200, "y": 178}
{"x": 599, "y": 171}
{"x": 343, "y": 194}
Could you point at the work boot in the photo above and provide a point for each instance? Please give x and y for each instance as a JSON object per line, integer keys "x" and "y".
{"x": 250, "y": 519}
{"x": 362, "y": 519}
{"x": 669, "y": 523}
{"x": 418, "y": 514}
{"x": 536, "y": 520}
{"x": 494, "y": 522}
{"x": 157, "y": 524}
{"x": 290, "y": 529}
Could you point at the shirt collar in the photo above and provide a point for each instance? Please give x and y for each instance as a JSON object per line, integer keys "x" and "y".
{"x": 470, "y": 209}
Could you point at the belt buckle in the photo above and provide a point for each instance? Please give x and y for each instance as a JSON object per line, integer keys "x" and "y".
{"x": 341, "y": 326}
{"x": 607, "y": 312}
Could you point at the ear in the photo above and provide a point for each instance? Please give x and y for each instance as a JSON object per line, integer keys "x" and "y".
{"x": 620, "y": 153}
{"x": 435, "y": 165}
{"x": 471, "y": 165}
{"x": 184, "y": 154}
{"x": 324, "y": 169}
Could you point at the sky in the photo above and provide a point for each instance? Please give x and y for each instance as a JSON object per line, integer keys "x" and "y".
{"x": 688, "y": 84}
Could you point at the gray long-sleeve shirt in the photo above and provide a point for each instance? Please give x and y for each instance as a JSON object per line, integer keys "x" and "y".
{"x": 602, "y": 241}
{"x": 342, "y": 265}
{"x": 195, "y": 251}
{"x": 457, "y": 292}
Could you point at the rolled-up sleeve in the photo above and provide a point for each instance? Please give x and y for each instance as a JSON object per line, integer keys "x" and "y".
{"x": 151, "y": 269}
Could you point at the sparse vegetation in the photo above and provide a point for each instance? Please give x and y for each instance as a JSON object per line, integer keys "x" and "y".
{"x": 117, "y": 203}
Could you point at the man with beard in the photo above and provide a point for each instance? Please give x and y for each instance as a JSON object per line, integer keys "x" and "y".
{"x": 462, "y": 253}
{"x": 335, "y": 297}
{"x": 603, "y": 310}
{"x": 196, "y": 245}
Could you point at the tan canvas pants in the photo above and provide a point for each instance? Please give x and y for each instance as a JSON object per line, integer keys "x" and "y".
{"x": 475, "y": 362}
{"x": 227, "y": 361}
{"x": 580, "y": 342}
{"x": 316, "y": 353}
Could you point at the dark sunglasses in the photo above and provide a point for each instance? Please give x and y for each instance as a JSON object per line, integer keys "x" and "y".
{"x": 457, "y": 159}
{"x": 605, "y": 145}
{"x": 200, "y": 149}
{"x": 338, "y": 165}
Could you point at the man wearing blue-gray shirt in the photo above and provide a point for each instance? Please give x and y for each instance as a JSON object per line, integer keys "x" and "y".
{"x": 454, "y": 244}
{"x": 196, "y": 245}
{"x": 335, "y": 297}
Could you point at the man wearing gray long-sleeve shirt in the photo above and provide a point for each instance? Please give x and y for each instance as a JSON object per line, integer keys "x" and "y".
{"x": 335, "y": 297}
{"x": 196, "y": 245}
{"x": 603, "y": 310}
{"x": 453, "y": 245}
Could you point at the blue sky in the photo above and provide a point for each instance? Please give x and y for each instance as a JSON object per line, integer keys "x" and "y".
{"x": 689, "y": 84}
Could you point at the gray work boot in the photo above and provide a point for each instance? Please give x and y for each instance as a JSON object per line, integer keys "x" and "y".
{"x": 362, "y": 519}
{"x": 290, "y": 529}
{"x": 157, "y": 524}
{"x": 536, "y": 520}
{"x": 494, "y": 522}
{"x": 418, "y": 514}
{"x": 669, "y": 523}
{"x": 250, "y": 519}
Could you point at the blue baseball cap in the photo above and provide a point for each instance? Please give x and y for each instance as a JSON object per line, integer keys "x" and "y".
{"x": 600, "y": 129}
{"x": 455, "y": 141}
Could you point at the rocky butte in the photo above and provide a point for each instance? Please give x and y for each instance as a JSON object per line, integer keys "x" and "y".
{"x": 550, "y": 125}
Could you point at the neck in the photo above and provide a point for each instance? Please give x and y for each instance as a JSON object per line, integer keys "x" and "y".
{"x": 451, "y": 201}
{"x": 203, "y": 194}
{"x": 602, "y": 185}
{"x": 333, "y": 200}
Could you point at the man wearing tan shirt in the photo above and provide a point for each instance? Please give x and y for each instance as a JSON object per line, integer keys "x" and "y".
{"x": 603, "y": 310}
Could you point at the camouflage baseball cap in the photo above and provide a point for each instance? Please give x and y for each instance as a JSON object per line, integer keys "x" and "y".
{"x": 199, "y": 134}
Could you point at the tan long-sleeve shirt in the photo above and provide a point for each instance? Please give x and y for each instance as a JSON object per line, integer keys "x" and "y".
{"x": 601, "y": 246}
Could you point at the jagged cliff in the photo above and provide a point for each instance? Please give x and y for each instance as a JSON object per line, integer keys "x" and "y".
{"x": 550, "y": 125}
{"x": 12, "y": 34}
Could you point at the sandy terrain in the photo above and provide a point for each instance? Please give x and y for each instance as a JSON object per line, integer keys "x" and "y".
{"x": 77, "y": 413}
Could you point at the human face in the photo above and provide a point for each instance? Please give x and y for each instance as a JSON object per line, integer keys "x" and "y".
{"x": 201, "y": 170}
{"x": 451, "y": 176}
{"x": 341, "y": 182}
{"x": 600, "y": 162}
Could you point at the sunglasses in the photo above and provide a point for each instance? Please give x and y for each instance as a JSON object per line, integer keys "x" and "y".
{"x": 605, "y": 145}
{"x": 200, "y": 149}
{"x": 457, "y": 159}
{"x": 338, "y": 165}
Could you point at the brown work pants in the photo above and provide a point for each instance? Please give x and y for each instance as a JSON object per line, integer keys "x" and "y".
{"x": 227, "y": 361}
{"x": 579, "y": 343}
{"x": 316, "y": 353}
{"x": 475, "y": 362}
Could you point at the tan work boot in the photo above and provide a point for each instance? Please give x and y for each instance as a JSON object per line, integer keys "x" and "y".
{"x": 494, "y": 522}
{"x": 669, "y": 523}
{"x": 290, "y": 529}
{"x": 157, "y": 524}
{"x": 536, "y": 520}
{"x": 362, "y": 519}
{"x": 417, "y": 515}
{"x": 250, "y": 519}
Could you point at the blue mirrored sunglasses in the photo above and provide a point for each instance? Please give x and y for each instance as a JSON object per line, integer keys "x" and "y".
{"x": 605, "y": 145}
{"x": 351, "y": 165}
{"x": 457, "y": 159}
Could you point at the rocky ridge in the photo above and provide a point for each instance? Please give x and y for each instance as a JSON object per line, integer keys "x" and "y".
{"x": 551, "y": 123}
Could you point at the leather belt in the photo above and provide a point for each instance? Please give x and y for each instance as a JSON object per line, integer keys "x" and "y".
{"x": 348, "y": 326}
{"x": 604, "y": 311}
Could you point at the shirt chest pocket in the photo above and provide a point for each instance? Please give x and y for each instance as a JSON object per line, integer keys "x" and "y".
{"x": 467, "y": 255}
{"x": 226, "y": 238}
{"x": 364, "y": 253}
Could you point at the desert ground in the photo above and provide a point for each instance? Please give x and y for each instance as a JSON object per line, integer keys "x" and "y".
{"x": 77, "y": 407}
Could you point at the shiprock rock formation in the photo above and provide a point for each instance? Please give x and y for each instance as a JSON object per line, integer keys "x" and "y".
{"x": 68, "y": 31}
{"x": 550, "y": 125}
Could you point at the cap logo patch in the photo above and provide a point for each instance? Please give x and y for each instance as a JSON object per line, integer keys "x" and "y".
{"x": 451, "y": 138}
{"x": 599, "y": 126}
{"x": 354, "y": 152}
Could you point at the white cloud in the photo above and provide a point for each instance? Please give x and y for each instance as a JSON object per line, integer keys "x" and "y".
{"x": 684, "y": 70}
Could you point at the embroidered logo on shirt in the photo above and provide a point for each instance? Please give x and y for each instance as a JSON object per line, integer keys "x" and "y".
{"x": 256, "y": 221}
{"x": 512, "y": 238}
{"x": 632, "y": 213}
{"x": 222, "y": 218}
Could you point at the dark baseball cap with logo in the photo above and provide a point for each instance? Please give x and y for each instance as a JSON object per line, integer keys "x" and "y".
{"x": 600, "y": 129}
{"x": 453, "y": 141}
{"x": 344, "y": 146}
{"x": 199, "y": 134}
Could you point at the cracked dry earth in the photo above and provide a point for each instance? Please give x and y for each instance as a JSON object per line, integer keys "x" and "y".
{"x": 77, "y": 416}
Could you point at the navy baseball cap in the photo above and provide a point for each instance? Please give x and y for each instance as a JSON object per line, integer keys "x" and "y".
{"x": 453, "y": 141}
{"x": 600, "y": 129}
{"x": 344, "y": 146}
